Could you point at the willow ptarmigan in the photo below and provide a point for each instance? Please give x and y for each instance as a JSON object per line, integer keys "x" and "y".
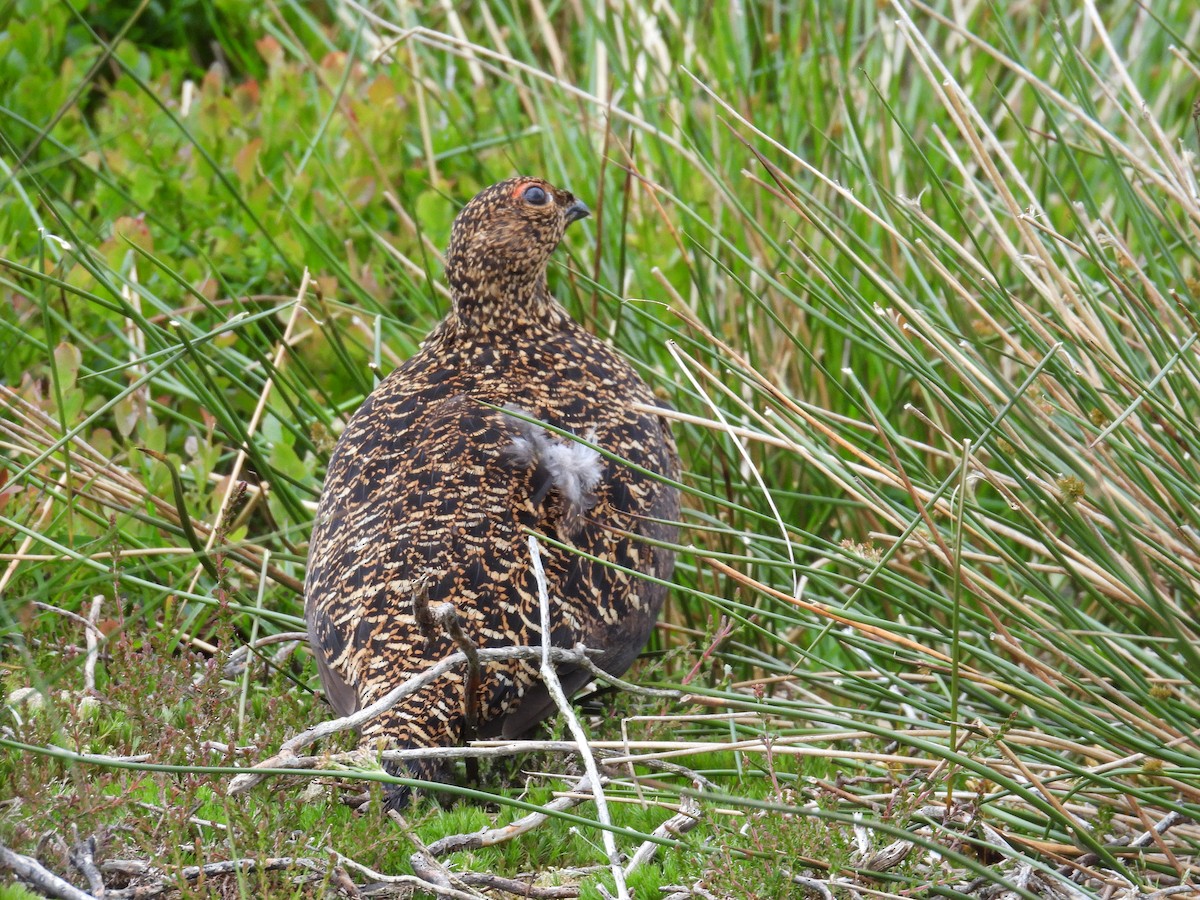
{"x": 439, "y": 476}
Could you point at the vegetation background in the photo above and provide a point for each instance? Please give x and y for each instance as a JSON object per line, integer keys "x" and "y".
{"x": 920, "y": 282}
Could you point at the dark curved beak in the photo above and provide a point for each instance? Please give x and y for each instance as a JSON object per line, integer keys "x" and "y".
{"x": 576, "y": 211}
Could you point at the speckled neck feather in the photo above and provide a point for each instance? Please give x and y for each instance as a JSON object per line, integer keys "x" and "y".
{"x": 496, "y": 261}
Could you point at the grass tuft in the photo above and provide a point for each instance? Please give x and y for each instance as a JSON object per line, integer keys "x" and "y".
{"x": 918, "y": 280}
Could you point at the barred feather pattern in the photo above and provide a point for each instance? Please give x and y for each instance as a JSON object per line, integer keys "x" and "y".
{"x": 440, "y": 473}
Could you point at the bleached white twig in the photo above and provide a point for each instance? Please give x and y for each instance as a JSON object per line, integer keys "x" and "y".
{"x": 92, "y": 635}
{"x": 83, "y": 857}
{"x": 554, "y": 688}
{"x": 816, "y": 885}
{"x": 160, "y": 885}
{"x": 30, "y": 870}
{"x": 436, "y": 877}
{"x": 239, "y": 784}
{"x": 682, "y": 822}
{"x": 237, "y": 659}
{"x": 491, "y": 836}
{"x": 597, "y": 672}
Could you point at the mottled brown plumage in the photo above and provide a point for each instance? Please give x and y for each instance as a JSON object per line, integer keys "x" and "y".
{"x": 437, "y": 476}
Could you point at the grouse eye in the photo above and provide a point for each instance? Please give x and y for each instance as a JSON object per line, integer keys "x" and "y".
{"x": 535, "y": 195}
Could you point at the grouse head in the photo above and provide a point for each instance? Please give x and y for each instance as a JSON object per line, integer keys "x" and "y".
{"x": 502, "y": 239}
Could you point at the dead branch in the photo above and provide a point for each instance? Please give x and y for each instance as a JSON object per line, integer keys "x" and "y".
{"x": 33, "y": 872}
{"x": 426, "y": 866}
{"x": 681, "y": 823}
{"x": 83, "y": 857}
{"x": 599, "y": 673}
{"x": 287, "y": 751}
{"x": 1165, "y": 824}
{"x": 814, "y": 885}
{"x": 492, "y": 836}
{"x": 554, "y": 688}
{"x": 518, "y": 888}
{"x": 394, "y": 881}
{"x": 238, "y": 658}
{"x": 160, "y": 881}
